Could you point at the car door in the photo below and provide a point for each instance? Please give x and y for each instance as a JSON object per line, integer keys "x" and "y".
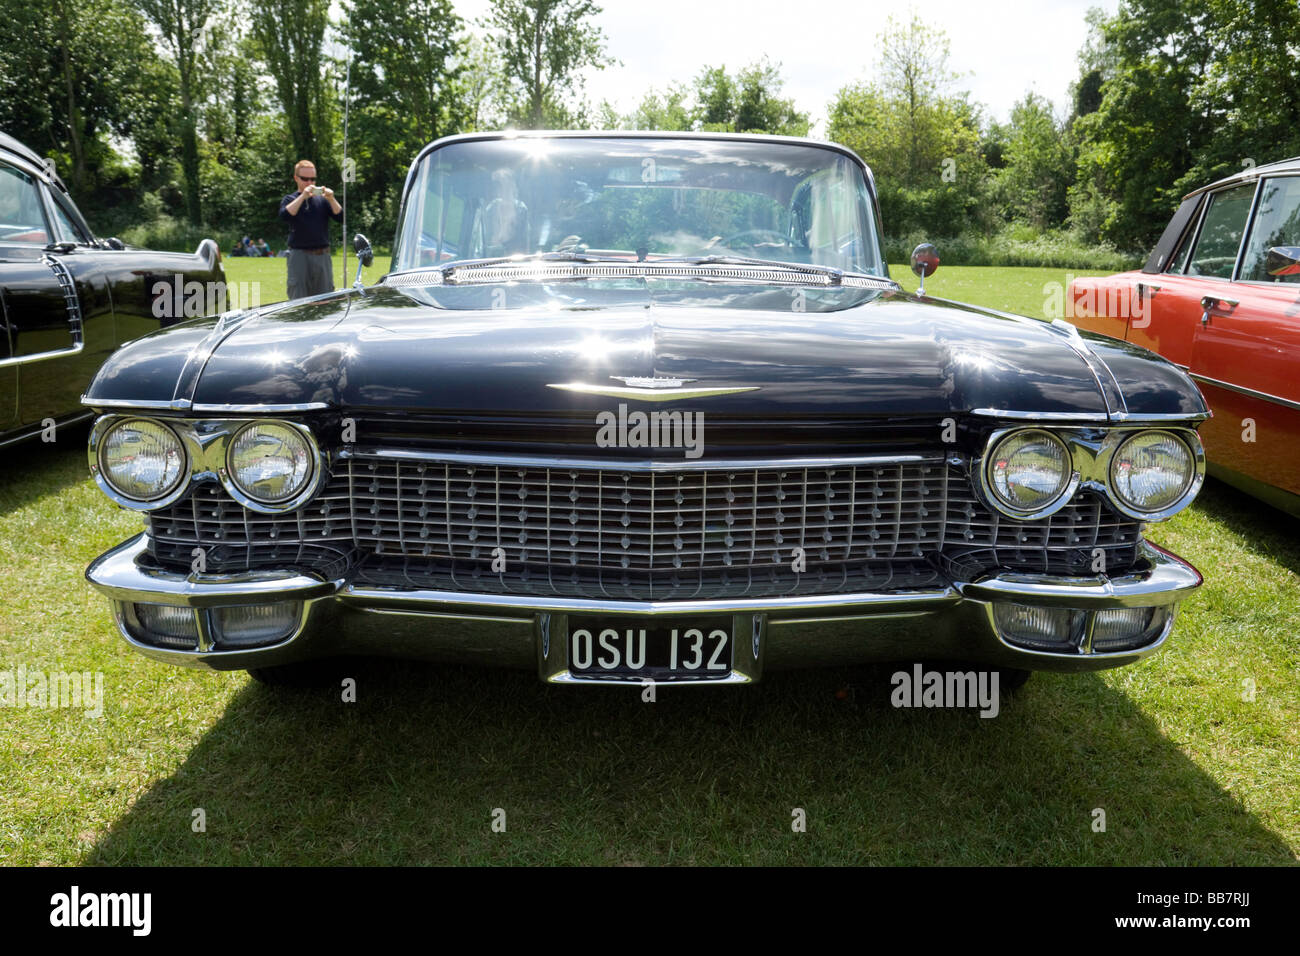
{"x": 1246, "y": 351}
{"x": 57, "y": 309}
{"x": 24, "y": 233}
{"x": 1204, "y": 265}
{"x": 1154, "y": 307}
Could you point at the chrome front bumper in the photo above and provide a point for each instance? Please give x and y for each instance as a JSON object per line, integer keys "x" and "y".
{"x": 956, "y": 622}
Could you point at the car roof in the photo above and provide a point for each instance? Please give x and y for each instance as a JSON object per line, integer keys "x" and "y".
{"x": 645, "y": 134}
{"x": 1291, "y": 165}
{"x": 30, "y": 159}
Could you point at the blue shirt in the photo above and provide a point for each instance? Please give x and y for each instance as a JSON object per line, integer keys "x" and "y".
{"x": 310, "y": 229}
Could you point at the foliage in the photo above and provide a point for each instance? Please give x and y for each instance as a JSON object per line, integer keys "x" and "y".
{"x": 920, "y": 136}
{"x": 1191, "y": 90}
{"x": 543, "y": 46}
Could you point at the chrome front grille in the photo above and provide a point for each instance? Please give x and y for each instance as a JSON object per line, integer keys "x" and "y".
{"x": 602, "y": 530}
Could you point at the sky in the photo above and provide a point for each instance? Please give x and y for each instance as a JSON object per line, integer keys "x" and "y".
{"x": 1002, "y": 49}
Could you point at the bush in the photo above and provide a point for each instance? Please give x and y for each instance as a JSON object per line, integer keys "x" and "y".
{"x": 1017, "y": 245}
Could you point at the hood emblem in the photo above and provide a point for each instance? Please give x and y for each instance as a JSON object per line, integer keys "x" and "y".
{"x": 638, "y": 381}
{"x": 654, "y": 388}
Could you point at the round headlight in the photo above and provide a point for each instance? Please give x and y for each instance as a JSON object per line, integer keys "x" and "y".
{"x": 1151, "y": 471}
{"x": 270, "y": 462}
{"x": 1029, "y": 470}
{"x": 141, "y": 459}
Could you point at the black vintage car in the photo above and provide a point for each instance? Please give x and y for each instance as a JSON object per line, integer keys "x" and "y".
{"x": 68, "y": 299}
{"x": 642, "y": 407}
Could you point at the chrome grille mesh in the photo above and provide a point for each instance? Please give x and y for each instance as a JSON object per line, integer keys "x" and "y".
{"x": 589, "y": 531}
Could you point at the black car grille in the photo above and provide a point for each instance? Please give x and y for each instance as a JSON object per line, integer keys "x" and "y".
{"x": 612, "y": 531}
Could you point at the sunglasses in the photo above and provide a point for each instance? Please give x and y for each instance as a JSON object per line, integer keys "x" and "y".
{"x": 308, "y": 179}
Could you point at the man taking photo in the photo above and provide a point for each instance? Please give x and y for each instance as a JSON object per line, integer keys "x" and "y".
{"x": 308, "y": 212}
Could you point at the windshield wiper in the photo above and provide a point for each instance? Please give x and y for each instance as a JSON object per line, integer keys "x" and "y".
{"x": 835, "y": 275}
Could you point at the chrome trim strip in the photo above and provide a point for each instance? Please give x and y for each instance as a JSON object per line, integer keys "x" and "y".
{"x": 649, "y": 394}
{"x": 1167, "y": 580}
{"x": 397, "y": 597}
{"x": 1113, "y": 396}
{"x": 20, "y": 360}
{"x": 1098, "y": 418}
{"x": 216, "y": 409}
{"x": 34, "y": 430}
{"x": 148, "y": 404}
{"x": 119, "y": 575}
{"x": 643, "y": 464}
{"x": 1249, "y": 392}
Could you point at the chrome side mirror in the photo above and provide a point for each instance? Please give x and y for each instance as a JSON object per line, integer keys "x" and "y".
{"x": 925, "y": 262}
{"x": 365, "y": 256}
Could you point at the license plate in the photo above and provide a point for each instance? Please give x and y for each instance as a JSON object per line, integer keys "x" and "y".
{"x": 637, "y": 649}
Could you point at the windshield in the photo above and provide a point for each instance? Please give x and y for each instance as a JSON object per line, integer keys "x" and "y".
{"x": 638, "y": 199}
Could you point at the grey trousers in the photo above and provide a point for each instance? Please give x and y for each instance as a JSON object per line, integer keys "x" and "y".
{"x": 309, "y": 275}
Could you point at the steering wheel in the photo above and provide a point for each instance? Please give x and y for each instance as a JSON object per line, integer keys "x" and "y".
{"x": 752, "y": 238}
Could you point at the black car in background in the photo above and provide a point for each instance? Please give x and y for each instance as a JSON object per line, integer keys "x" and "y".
{"x": 68, "y": 299}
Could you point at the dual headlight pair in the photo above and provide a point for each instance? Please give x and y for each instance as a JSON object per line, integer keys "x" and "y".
{"x": 1031, "y": 471}
{"x": 145, "y": 461}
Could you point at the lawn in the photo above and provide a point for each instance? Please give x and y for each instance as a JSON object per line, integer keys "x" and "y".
{"x": 1187, "y": 770}
{"x": 271, "y": 277}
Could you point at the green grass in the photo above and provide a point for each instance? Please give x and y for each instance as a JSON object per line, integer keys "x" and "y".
{"x": 1028, "y": 291}
{"x": 1186, "y": 770}
{"x": 272, "y": 278}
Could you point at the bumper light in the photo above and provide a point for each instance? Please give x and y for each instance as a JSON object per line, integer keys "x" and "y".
{"x": 1123, "y": 629}
{"x": 255, "y": 625}
{"x": 1039, "y": 628}
{"x": 163, "y": 625}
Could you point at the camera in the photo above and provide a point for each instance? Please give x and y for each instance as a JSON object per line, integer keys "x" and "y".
{"x": 318, "y": 190}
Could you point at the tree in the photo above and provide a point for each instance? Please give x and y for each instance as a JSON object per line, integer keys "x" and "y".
{"x": 70, "y": 76}
{"x": 920, "y": 136}
{"x": 1190, "y": 90}
{"x": 290, "y": 35}
{"x": 1039, "y": 165}
{"x": 543, "y": 46}
{"x": 407, "y": 66}
{"x": 747, "y": 102}
{"x": 183, "y": 25}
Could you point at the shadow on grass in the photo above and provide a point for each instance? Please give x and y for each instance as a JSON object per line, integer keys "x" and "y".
{"x": 411, "y": 774}
{"x": 1265, "y": 529}
{"x": 32, "y": 470}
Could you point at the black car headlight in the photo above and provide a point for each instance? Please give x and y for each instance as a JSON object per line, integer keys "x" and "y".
{"x": 271, "y": 463}
{"x": 1152, "y": 472}
{"x": 1028, "y": 471}
{"x": 141, "y": 460}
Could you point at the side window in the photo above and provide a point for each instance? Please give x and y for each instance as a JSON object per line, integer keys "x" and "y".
{"x": 21, "y": 218}
{"x": 64, "y": 226}
{"x": 1225, "y": 221}
{"x": 1272, "y": 249}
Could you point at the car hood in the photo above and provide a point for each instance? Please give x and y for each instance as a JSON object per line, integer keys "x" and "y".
{"x": 503, "y": 349}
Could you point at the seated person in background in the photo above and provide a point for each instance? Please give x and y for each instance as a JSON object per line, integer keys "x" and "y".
{"x": 262, "y": 248}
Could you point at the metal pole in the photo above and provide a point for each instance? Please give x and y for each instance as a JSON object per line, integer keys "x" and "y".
{"x": 347, "y": 102}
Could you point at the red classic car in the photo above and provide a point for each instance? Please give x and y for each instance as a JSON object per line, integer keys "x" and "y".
{"x": 1220, "y": 296}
